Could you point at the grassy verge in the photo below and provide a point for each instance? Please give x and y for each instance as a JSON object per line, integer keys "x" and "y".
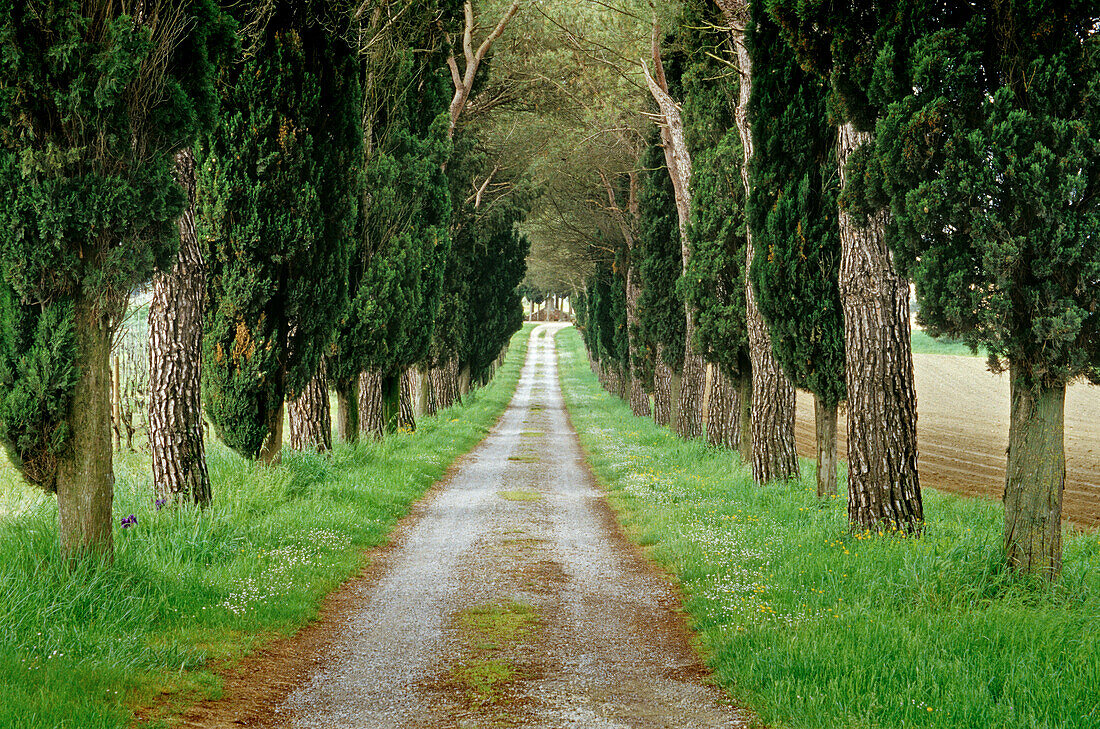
{"x": 924, "y": 344}
{"x": 812, "y": 626}
{"x": 192, "y": 591}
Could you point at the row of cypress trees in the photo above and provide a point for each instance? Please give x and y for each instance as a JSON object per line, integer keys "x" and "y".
{"x": 290, "y": 177}
{"x": 953, "y": 145}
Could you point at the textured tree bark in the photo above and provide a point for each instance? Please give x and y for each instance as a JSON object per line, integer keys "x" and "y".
{"x": 391, "y": 401}
{"x": 693, "y": 383}
{"x": 406, "y": 414}
{"x": 85, "y": 475}
{"x": 347, "y": 412}
{"x": 662, "y": 391}
{"x": 639, "y": 400}
{"x": 370, "y": 404}
{"x": 310, "y": 416}
{"x": 825, "y": 420}
{"x": 175, "y": 363}
{"x": 722, "y": 414}
{"x": 883, "y": 485}
{"x": 1035, "y": 477}
{"x": 773, "y": 397}
{"x": 427, "y": 396}
{"x": 744, "y": 418}
{"x": 272, "y": 450}
{"x": 688, "y": 418}
{"x": 462, "y": 381}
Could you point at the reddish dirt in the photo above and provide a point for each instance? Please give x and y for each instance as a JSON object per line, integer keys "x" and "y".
{"x": 962, "y": 433}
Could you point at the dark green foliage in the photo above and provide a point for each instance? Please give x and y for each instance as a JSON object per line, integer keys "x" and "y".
{"x": 660, "y": 306}
{"x": 715, "y": 280}
{"x": 87, "y": 197}
{"x": 278, "y": 195}
{"x": 481, "y": 305}
{"x": 605, "y": 317}
{"x": 793, "y": 214}
{"x": 992, "y": 169}
{"x": 501, "y": 265}
{"x": 402, "y": 238}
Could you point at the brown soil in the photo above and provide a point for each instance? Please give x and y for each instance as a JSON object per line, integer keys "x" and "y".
{"x": 962, "y": 433}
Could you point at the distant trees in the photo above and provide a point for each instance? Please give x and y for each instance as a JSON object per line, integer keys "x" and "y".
{"x": 660, "y": 266}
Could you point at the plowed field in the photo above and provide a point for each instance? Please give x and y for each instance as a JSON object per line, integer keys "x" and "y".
{"x": 962, "y": 432}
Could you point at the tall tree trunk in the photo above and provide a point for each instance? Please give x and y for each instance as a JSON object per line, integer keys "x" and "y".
{"x": 347, "y": 411}
{"x": 662, "y": 390}
{"x": 175, "y": 363}
{"x": 85, "y": 475}
{"x": 462, "y": 381}
{"x": 722, "y": 414}
{"x": 774, "y": 457}
{"x": 693, "y": 384}
{"x": 1035, "y": 476}
{"x": 427, "y": 396}
{"x": 744, "y": 417}
{"x": 406, "y": 415}
{"x": 825, "y": 421}
{"x": 639, "y": 400}
{"x": 310, "y": 418}
{"x": 272, "y": 450}
{"x": 687, "y": 421}
{"x": 883, "y": 485}
{"x": 391, "y": 401}
{"x": 370, "y": 404}
{"x": 116, "y": 403}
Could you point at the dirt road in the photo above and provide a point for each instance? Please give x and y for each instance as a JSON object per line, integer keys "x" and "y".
{"x": 962, "y": 433}
{"x": 509, "y": 599}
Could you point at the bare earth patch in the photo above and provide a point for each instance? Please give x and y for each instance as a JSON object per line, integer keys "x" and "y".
{"x": 962, "y": 433}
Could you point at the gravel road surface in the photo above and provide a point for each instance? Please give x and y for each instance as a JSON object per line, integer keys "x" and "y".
{"x": 511, "y": 599}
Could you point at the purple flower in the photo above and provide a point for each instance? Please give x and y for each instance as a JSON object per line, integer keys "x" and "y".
{"x": 160, "y": 503}
{"x": 129, "y": 521}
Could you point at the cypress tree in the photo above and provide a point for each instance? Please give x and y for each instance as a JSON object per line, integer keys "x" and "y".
{"x": 97, "y": 109}
{"x": 989, "y": 154}
{"x": 793, "y": 214}
{"x": 402, "y": 239}
{"x": 773, "y": 396}
{"x": 277, "y": 202}
{"x": 660, "y": 304}
{"x": 715, "y": 281}
{"x": 837, "y": 41}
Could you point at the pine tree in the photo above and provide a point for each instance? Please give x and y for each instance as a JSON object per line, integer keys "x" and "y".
{"x": 179, "y": 295}
{"x": 277, "y": 203}
{"x": 715, "y": 280}
{"x": 773, "y": 396}
{"x": 988, "y": 153}
{"x": 97, "y": 109}
{"x": 793, "y": 214}
{"x": 837, "y": 42}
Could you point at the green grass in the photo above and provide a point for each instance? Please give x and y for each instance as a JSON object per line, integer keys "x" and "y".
{"x": 812, "y": 626}
{"x": 924, "y": 344}
{"x": 192, "y": 591}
